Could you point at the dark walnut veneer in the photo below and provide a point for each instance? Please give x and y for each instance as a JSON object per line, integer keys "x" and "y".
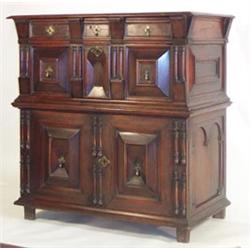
{"x": 123, "y": 115}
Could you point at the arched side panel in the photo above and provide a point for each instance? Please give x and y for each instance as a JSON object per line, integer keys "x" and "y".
{"x": 206, "y": 161}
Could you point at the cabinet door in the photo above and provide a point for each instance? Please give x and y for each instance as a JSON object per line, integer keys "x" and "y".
{"x": 60, "y": 156}
{"x": 138, "y": 178}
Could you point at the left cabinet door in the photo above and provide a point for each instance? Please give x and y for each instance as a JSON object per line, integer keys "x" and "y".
{"x": 60, "y": 156}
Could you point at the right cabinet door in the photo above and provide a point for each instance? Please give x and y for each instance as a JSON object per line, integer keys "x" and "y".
{"x": 141, "y": 164}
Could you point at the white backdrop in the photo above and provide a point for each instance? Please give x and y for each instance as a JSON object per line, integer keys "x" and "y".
{"x": 238, "y": 82}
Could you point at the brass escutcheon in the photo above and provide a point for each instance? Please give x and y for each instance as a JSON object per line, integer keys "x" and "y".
{"x": 96, "y": 51}
{"x": 96, "y": 29}
{"x": 50, "y": 30}
{"x": 103, "y": 162}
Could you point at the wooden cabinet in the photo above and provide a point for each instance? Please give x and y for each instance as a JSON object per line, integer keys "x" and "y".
{"x": 124, "y": 115}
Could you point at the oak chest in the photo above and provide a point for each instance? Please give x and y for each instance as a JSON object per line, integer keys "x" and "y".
{"x": 123, "y": 115}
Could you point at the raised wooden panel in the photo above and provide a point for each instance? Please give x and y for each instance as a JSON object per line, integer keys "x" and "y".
{"x": 60, "y": 144}
{"x": 50, "y": 72}
{"x": 206, "y": 63}
{"x": 207, "y": 162}
{"x": 141, "y": 165}
{"x": 137, "y": 161}
{"x": 149, "y": 72}
{"x": 63, "y": 156}
{"x": 96, "y": 73}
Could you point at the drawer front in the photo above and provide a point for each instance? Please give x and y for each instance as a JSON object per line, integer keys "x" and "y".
{"x": 148, "y": 29}
{"x": 96, "y": 30}
{"x": 49, "y": 30}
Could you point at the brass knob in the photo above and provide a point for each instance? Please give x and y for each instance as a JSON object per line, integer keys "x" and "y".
{"x": 61, "y": 161}
{"x": 147, "y": 30}
{"x": 50, "y": 30}
{"x": 49, "y": 72}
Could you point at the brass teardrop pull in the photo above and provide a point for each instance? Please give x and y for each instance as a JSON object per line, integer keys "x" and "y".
{"x": 61, "y": 162}
{"x": 147, "y": 30}
{"x": 49, "y": 72}
{"x": 146, "y": 75}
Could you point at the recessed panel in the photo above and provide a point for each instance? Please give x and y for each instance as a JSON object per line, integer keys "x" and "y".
{"x": 63, "y": 156}
{"x": 206, "y": 163}
{"x": 207, "y": 65}
{"x": 136, "y": 165}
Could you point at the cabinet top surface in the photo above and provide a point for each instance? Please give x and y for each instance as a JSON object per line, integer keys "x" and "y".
{"x": 149, "y": 14}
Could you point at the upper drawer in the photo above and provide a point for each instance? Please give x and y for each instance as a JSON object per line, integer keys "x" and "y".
{"x": 96, "y": 28}
{"x": 146, "y": 28}
{"x": 52, "y": 29}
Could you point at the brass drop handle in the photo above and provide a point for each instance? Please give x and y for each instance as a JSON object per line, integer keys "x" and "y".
{"x": 137, "y": 168}
{"x": 146, "y": 75}
{"x": 50, "y": 30}
{"x": 147, "y": 30}
{"x": 61, "y": 162}
{"x": 49, "y": 72}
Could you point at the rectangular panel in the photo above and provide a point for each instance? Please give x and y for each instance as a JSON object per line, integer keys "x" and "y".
{"x": 207, "y": 70}
{"x": 146, "y": 28}
{"x": 61, "y": 156}
{"x": 148, "y": 73}
{"x": 96, "y": 72}
{"x": 140, "y": 171}
{"x": 206, "y": 160}
{"x": 96, "y": 30}
{"x": 52, "y": 29}
{"x": 50, "y": 70}
{"x": 206, "y": 61}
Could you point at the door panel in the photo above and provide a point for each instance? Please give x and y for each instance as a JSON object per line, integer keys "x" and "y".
{"x": 61, "y": 156}
{"x": 140, "y": 171}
